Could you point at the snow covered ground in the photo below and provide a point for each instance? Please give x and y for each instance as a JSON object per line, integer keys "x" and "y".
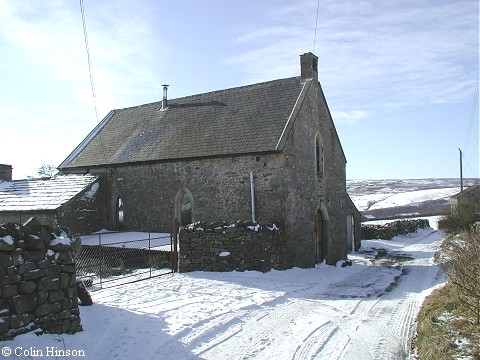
{"x": 129, "y": 239}
{"x": 364, "y": 311}
{"x": 106, "y": 237}
{"x": 391, "y": 197}
{"x": 389, "y": 200}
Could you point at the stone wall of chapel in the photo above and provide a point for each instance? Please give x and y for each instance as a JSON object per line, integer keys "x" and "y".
{"x": 288, "y": 189}
{"x": 308, "y": 190}
{"x": 220, "y": 189}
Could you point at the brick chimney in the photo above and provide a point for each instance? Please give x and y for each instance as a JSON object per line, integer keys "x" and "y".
{"x": 6, "y": 172}
{"x": 308, "y": 66}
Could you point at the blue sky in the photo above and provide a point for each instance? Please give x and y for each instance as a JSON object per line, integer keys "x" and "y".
{"x": 400, "y": 77}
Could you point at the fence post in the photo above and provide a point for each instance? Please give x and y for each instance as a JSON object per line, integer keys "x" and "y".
{"x": 150, "y": 253}
{"x": 174, "y": 245}
{"x": 101, "y": 259}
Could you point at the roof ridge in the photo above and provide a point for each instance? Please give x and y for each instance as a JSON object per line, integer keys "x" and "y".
{"x": 50, "y": 179}
{"x": 170, "y": 101}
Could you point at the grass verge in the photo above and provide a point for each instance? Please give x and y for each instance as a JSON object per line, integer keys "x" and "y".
{"x": 444, "y": 330}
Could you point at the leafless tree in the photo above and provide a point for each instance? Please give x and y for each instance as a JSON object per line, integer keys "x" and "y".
{"x": 45, "y": 171}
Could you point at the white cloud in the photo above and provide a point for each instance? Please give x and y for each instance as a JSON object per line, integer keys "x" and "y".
{"x": 349, "y": 117}
{"x": 10, "y": 111}
{"x": 52, "y": 38}
{"x": 45, "y": 121}
{"x": 375, "y": 57}
{"x": 412, "y": 52}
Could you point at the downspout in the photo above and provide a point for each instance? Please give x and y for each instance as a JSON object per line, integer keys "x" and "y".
{"x": 252, "y": 196}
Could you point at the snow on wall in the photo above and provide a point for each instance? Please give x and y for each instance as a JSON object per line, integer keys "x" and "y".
{"x": 38, "y": 287}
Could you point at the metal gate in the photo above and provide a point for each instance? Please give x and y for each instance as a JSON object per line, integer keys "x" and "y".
{"x": 106, "y": 261}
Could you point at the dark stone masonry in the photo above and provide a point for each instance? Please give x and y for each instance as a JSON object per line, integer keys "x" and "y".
{"x": 37, "y": 280}
{"x": 392, "y": 229}
{"x": 271, "y": 147}
{"x": 231, "y": 246}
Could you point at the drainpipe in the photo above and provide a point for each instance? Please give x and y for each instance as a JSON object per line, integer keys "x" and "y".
{"x": 252, "y": 195}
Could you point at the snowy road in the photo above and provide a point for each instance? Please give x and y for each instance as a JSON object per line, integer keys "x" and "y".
{"x": 366, "y": 311}
{"x": 343, "y": 320}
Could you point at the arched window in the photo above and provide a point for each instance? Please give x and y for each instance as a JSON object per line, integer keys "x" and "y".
{"x": 186, "y": 210}
{"x": 184, "y": 207}
{"x": 120, "y": 214}
{"x": 319, "y": 166}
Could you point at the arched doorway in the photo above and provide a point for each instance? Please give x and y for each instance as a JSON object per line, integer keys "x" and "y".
{"x": 184, "y": 207}
{"x": 321, "y": 234}
{"x": 319, "y": 237}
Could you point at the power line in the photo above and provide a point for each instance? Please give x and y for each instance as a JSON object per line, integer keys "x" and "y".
{"x": 92, "y": 85}
{"x": 316, "y": 25}
{"x": 473, "y": 117}
{"x": 473, "y": 111}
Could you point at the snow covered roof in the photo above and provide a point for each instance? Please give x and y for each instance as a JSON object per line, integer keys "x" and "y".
{"x": 41, "y": 194}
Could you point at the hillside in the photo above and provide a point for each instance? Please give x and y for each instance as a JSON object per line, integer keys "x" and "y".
{"x": 377, "y": 199}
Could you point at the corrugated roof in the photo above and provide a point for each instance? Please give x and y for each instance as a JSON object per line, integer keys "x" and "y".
{"x": 41, "y": 194}
{"x": 247, "y": 119}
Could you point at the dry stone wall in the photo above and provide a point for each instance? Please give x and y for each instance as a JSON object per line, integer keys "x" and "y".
{"x": 392, "y": 229}
{"x": 37, "y": 280}
{"x": 231, "y": 246}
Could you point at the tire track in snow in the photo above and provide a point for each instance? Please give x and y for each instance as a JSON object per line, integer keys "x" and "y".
{"x": 217, "y": 330}
{"x": 382, "y": 328}
{"x": 266, "y": 328}
{"x": 230, "y": 330}
{"x": 325, "y": 340}
{"x": 250, "y": 342}
{"x": 353, "y": 339}
{"x": 398, "y": 309}
{"x": 390, "y": 321}
{"x": 317, "y": 324}
{"x": 207, "y": 328}
{"x": 315, "y": 341}
{"x": 402, "y": 317}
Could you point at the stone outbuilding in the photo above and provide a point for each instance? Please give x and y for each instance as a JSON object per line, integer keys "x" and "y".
{"x": 470, "y": 195}
{"x": 70, "y": 200}
{"x": 267, "y": 152}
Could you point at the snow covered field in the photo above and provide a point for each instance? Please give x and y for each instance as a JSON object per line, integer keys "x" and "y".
{"x": 389, "y": 200}
{"x": 365, "y": 311}
{"x": 392, "y": 197}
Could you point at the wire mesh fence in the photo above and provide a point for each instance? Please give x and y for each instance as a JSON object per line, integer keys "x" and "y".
{"x": 105, "y": 262}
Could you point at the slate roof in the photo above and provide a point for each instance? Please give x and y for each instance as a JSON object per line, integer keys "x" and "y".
{"x": 41, "y": 194}
{"x": 241, "y": 120}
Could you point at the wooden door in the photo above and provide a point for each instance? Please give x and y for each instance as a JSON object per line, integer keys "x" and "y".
{"x": 319, "y": 234}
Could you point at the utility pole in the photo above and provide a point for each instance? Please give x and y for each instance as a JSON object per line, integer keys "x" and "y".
{"x": 461, "y": 176}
